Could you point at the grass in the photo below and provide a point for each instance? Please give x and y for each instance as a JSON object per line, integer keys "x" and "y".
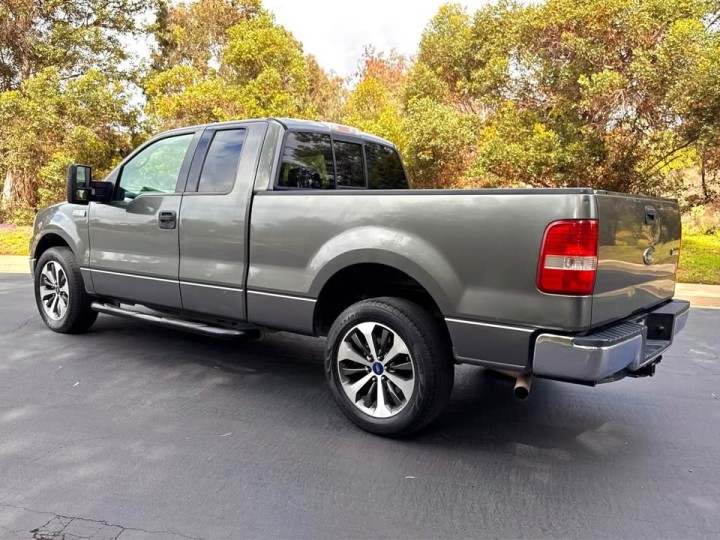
{"x": 699, "y": 258}
{"x": 14, "y": 240}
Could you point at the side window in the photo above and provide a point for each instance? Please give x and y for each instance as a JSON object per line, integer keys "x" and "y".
{"x": 156, "y": 168}
{"x": 385, "y": 170}
{"x": 349, "y": 165}
{"x": 307, "y": 162}
{"x": 221, "y": 163}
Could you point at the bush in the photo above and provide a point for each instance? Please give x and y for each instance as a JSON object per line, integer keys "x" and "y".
{"x": 702, "y": 219}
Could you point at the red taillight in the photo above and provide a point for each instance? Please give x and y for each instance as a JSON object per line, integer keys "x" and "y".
{"x": 568, "y": 257}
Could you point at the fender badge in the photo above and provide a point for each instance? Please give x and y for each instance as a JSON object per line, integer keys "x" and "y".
{"x": 649, "y": 255}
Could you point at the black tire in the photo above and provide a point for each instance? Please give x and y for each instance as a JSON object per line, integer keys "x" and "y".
{"x": 79, "y": 316}
{"x": 430, "y": 354}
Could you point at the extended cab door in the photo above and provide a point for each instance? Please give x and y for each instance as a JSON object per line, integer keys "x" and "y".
{"x": 134, "y": 253}
{"x": 214, "y": 219}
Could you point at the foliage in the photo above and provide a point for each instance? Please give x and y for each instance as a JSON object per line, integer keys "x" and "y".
{"x": 375, "y": 104}
{"x": 621, "y": 94}
{"x": 69, "y": 35}
{"x": 242, "y": 64}
{"x": 51, "y": 123}
{"x": 702, "y": 219}
{"x": 615, "y": 94}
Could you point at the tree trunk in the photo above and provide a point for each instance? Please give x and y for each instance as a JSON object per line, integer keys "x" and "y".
{"x": 703, "y": 181}
{"x": 7, "y": 192}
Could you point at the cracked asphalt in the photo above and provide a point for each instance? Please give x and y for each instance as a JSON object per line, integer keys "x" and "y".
{"x": 140, "y": 433}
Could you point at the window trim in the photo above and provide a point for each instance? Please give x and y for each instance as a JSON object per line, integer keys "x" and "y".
{"x": 192, "y": 185}
{"x": 184, "y": 166}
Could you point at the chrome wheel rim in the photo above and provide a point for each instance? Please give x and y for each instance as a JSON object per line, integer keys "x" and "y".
{"x": 376, "y": 369}
{"x": 54, "y": 291}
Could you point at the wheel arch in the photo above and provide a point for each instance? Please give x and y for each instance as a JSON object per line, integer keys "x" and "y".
{"x": 49, "y": 240}
{"x": 354, "y": 282}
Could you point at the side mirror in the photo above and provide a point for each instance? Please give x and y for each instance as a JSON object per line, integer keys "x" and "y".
{"x": 79, "y": 188}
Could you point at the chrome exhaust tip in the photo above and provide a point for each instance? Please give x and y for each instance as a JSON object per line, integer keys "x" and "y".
{"x": 522, "y": 387}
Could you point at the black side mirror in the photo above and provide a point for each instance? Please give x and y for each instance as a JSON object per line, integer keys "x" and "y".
{"x": 79, "y": 188}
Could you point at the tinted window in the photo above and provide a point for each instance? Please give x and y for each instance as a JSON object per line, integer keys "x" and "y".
{"x": 307, "y": 162}
{"x": 221, "y": 163}
{"x": 385, "y": 170}
{"x": 156, "y": 168}
{"x": 349, "y": 165}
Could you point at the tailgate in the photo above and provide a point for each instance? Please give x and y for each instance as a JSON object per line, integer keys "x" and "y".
{"x": 638, "y": 252}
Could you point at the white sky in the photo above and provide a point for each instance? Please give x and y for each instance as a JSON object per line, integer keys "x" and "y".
{"x": 336, "y": 32}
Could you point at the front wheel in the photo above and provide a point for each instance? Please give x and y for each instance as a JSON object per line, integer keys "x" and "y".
{"x": 389, "y": 366}
{"x": 60, "y": 293}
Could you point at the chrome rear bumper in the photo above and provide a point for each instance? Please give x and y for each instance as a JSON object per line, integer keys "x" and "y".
{"x": 623, "y": 349}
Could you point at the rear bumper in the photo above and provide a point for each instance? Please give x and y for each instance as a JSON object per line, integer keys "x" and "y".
{"x": 623, "y": 349}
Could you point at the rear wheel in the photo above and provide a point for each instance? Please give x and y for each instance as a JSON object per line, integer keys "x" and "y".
{"x": 389, "y": 366}
{"x": 60, "y": 292}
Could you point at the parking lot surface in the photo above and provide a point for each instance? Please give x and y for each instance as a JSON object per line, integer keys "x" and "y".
{"x": 138, "y": 432}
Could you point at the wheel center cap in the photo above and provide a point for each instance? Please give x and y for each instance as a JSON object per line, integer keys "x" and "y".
{"x": 377, "y": 368}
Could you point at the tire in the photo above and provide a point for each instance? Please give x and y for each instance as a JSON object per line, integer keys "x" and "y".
{"x": 58, "y": 280}
{"x": 416, "y": 371}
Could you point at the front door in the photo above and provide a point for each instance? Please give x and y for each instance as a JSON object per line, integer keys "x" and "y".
{"x": 134, "y": 253}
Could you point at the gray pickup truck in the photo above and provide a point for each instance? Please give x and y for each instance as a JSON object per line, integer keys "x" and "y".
{"x": 228, "y": 229}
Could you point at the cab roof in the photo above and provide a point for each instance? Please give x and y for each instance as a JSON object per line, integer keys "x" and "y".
{"x": 296, "y": 124}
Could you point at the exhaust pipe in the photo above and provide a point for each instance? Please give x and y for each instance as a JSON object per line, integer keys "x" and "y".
{"x": 522, "y": 387}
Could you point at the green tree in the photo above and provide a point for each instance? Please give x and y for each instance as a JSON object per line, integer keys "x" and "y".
{"x": 375, "y": 104}
{"x": 50, "y": 123}
{"x": 70, "y": 35}
{"x": 622, "y": 94}
{"x": 222, "y": 59}
{"x": 63, "y": 72}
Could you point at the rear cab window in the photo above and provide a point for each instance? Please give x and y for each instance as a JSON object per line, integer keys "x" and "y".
{"x": 385, "y": 170}
{"x": 319, "y": 161}
{"x": 307, "y": 162}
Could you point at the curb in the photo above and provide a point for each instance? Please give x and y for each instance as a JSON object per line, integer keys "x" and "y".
{"x": 14, "y": 264}
{"x": 699, "y": 295}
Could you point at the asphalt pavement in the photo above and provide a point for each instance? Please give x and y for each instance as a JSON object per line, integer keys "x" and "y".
{"x": 136, "y": 432}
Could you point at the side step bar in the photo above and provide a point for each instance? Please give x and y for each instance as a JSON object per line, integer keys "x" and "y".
{"x": 169, "y": 322}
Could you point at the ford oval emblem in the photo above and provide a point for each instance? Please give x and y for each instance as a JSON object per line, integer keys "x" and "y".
{"x": 649, "y": 255}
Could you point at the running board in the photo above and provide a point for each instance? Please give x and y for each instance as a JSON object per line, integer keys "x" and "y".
{"x": 168, "y": 322}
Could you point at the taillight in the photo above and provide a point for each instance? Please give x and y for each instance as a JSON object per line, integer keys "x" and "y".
{"x": 568, "y": 257}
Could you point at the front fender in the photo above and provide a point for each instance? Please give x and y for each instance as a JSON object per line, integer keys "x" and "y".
{"x": 401, "y": 250}
{"x": 69, "y": 222}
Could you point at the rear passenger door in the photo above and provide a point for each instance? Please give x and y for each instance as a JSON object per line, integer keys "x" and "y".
{"x": 214, "y": 220}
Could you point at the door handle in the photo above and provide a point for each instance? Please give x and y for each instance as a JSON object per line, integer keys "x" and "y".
{"x": 167, "y": 219}
{"x": 650, "y": 215}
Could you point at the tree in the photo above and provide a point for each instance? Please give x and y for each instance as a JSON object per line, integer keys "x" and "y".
{"x": 224, "y": 59}
{"x": 70, "y": 35}
{"x": 375, "y": 104}
{"x": 623, "y": 94}
{"x": 51, "y": 123}
{"x": 55, "y": 58}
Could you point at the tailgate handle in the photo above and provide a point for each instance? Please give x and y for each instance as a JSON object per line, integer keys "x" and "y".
{"x": 650, "y": 214}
